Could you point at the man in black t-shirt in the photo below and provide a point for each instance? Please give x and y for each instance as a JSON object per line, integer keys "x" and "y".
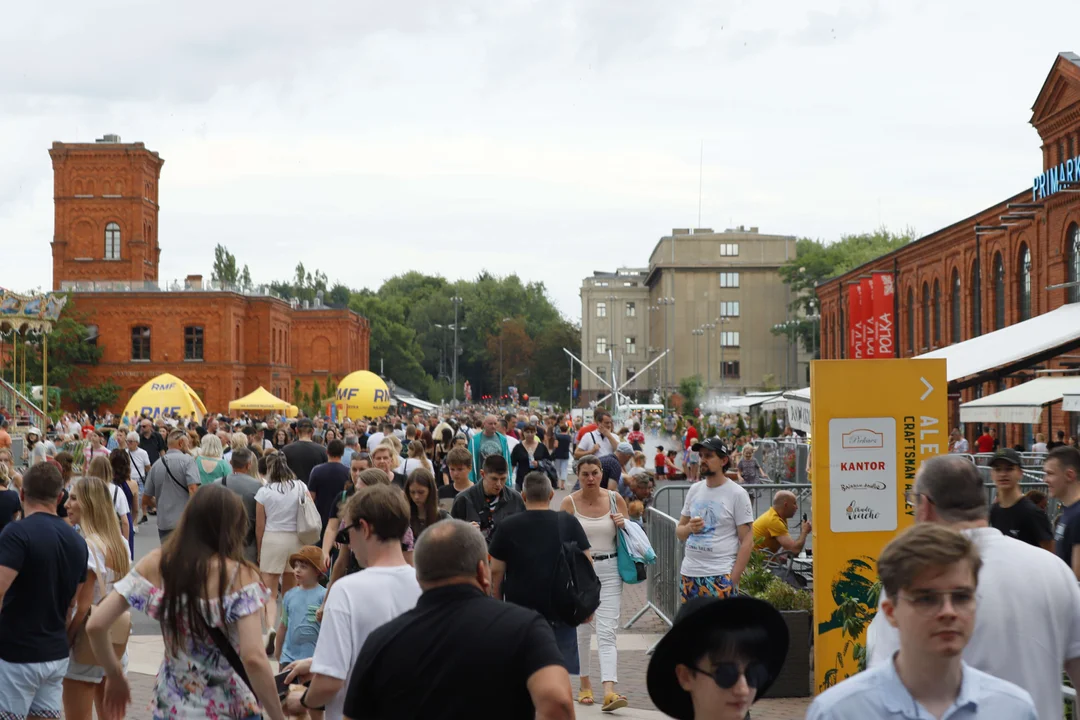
{"x": 455, "y": 623}
{"x": 327, "y": 482}
{"x": 304, "y": 453}
{"x": 1062, "y": 469}
{"x": 42, "y": 563}
{"x": 524, "y": 552}
{"x": 151, "y": 441}
{"x": 1012, "y": 513}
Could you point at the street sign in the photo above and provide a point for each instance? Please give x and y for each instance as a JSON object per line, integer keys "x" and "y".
{"x": 874, "y": 422}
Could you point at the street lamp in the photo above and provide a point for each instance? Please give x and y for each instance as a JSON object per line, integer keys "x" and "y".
{"x": 697, "y": 333}
{"x": 816, "y": 318}
{"x": 457, "y": 304}
{"x": 669, "y": 304}
{"x": 709, "y": 327}
{"x": 504, "y": 321}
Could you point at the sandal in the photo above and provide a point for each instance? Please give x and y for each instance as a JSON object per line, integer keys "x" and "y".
{"x": 585, "y": 697}
{"x": 614, "y": 701}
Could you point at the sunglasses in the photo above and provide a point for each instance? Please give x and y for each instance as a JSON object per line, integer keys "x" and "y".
{"x": 727, "y": 674}
{"x": 342, "y": 537}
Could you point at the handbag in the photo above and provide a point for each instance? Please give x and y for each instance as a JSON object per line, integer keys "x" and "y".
{"x": 630, "y": 570}
{"x": 119, "y": 632}
{"x": 308, "y": 520}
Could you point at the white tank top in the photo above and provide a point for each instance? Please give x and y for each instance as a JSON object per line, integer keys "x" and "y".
{"x": 599, "y": 530}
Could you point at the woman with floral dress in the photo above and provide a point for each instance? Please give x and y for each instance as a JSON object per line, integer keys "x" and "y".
{"x": 209, "y": 602}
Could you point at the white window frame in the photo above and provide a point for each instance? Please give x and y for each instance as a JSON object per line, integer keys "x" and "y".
{"x": 631, "y": 309}
{"x": 729, "y": 338}
{"x": 729, "y": 279}
{"x": 729, "y": 249}
{"x": 601, "y": 345}
{"x": 601, "y": 309}
{"x": 729, "y": 308}
{"x": 631, "y": 345}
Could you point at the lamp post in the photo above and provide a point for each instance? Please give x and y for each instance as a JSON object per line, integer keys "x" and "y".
{"x": 501, "y": 325}
{"x": 669, "y": 304}
{"x": 697, "y": 333}
{"x": 709, "y": 327}
{"x": 457, "y": 304}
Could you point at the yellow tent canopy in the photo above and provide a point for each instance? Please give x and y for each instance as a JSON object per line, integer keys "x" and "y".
{"x": 165, "y": 395}
{"x": 292, "y": 412}
{"x": 261, "y": 399}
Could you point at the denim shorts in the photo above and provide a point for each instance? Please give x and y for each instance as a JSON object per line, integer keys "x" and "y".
{"x": 90, "y": 673}
{"x": 566, "y": 639}
{"x": 32, "y": 689}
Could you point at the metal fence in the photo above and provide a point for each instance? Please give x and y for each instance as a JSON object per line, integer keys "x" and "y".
{"x": 662, "y": 589}
{"x": 784, "y": 461}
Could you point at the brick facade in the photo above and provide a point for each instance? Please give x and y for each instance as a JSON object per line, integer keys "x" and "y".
{"x": 224, "y": 344}
{"x": 954, "y": 284}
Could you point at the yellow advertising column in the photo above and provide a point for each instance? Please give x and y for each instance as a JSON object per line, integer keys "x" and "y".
{"x": 874, "y": 422}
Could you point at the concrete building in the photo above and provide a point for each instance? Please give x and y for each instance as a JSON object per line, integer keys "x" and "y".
{"x": 614, "y": 329}
{"x": 712, "y": 298}
{"x": 223, "y": 341}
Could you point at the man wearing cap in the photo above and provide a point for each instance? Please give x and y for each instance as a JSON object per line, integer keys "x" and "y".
{"x": 716, "y": 524}
{"x": 1012, "y": 513}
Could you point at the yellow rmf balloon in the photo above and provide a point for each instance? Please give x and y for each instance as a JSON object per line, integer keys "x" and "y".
{"x": 362, "y": 394}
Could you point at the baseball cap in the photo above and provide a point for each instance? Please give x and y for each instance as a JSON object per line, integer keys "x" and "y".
{"x": 714, "y": 443}
{"x": 1008, "y": 455}
{"x": 625, "y": 447}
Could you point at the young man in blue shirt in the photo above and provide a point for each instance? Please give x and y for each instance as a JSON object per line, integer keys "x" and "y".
{"x": 929, "y": 574}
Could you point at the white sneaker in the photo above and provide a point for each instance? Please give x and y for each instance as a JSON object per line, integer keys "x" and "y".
{"x": 135, "y": 529}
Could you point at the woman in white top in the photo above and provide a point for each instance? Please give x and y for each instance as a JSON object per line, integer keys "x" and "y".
{"x": 417, "y": 459}
{"x": 601, "y": 513}
{"x": 1040, "y": 444}
{"x": 91, "y": 510}
{"x": 276, "y": 505}
{"x": 101, "y": 468}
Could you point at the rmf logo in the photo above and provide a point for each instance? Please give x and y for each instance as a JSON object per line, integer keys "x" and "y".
{"x": 162, "y": 386}
{"x": 382, "y": 395}
{"x": 346, "y": 393}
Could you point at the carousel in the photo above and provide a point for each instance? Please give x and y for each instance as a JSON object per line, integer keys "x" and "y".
{"x": 22, "y": 316}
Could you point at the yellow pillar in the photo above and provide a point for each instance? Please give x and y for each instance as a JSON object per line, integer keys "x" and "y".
{"x": 45, "y": 374}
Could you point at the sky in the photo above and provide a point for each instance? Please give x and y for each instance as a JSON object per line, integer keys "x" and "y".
{"x": 549, "y": 139}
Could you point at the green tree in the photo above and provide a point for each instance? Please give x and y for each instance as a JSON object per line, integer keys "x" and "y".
{"x": 690, "y": 390}
{"x": 316, "y": 398}
{"x": 816, "y": 261}
{"x": 91, "y": 397}
{"x": 225, "y": 270}
{"x": 774, "y": 427}
{"x": 245, "y": 280}
{"x": 740, "y": 426}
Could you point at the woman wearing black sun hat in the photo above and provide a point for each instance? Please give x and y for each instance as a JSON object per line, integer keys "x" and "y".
{"x": 717, "y": 659}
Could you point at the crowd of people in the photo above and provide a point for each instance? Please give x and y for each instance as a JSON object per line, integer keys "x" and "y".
{"x": 342, "y": 550}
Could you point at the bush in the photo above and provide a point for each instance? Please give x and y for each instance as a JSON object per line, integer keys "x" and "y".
{"x": 783, "y": 596}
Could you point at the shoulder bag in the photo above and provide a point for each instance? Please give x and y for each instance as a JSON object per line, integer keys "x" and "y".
{"x": 179, "y": 484}
{"x": 630, "y": 570}
{"x": 308, "y": 520}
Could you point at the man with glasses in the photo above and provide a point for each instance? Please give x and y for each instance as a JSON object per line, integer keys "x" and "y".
{"x": 1028, "y": 625}
{"x": 140, "y": 466}
{"x": 1012, "y": 513}
{"x": 150, "y": 441}
{"x": 929, "y": 574}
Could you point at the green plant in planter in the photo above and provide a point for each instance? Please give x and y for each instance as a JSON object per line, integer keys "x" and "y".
{"x": 784, "y": 597}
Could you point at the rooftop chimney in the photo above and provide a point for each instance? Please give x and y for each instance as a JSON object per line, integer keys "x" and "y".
{"x": 702, "y": 231}
{"x": 193, "y": 282}
{"x": 681, "y": 231}
{"x": 110, "y": 138}
{"x": 753, "y": 229}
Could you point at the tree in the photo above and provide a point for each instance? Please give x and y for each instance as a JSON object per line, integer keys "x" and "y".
{"x": 510, "y": 354}
{"x": 225, "y": 270}
{"x": 760, "y": 429}
{"x": 741, "y": 426}
{"x": 245, "y": 280}
{"x": 690, "y": 390}
{"x": 816, "y": 261}
{"x": 316, "y": 398}
{"x": 774, "y": 427}
{"x": 91, "y": 397}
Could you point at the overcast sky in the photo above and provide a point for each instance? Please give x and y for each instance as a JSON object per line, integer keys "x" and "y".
{"x": 550, "y": 139}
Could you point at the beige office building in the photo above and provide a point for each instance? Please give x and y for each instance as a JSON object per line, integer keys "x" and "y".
{"x": 711, "y": 299}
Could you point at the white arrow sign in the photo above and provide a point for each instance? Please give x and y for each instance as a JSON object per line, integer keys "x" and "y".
{"x": 929, "y": 389}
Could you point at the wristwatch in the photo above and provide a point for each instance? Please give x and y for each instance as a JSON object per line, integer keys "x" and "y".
{"x": 303, "y": 701}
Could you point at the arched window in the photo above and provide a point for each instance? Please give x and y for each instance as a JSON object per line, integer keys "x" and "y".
{"x": 112, "y": 241}
{"x": 1023, "y": 281}
{"x": 140, "y": 343}
{"x": 911, "y": 321}
{"x": 999, "y": 292}
{"x": 926, "y": 316}
{"x": 976, "y": 300}
{"x": 1072, "y": 269}
{"x": 936, "y": 301}
{"x": 954, "y": 308}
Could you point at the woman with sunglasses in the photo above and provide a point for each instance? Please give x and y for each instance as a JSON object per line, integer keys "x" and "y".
{"x": 718, "y": 658}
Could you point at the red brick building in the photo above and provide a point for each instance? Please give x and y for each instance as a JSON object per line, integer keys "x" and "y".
{"x": 1005, "y": 264}
{"x": 223, "y": 342}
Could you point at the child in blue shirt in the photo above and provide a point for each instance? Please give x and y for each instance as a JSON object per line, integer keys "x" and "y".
{"x": 299, "y": 630}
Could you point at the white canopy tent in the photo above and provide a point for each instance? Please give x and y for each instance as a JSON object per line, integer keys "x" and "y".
{"x": 1023, "y": 403}
{"x": 798, "y": 409}
{"x": 746, "y": 403}
{"x": 1010, "y": 345}
{"x": 1070, "y": 402}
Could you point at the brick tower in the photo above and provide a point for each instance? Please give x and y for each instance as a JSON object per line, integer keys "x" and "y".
{"x": 105, "y": 196}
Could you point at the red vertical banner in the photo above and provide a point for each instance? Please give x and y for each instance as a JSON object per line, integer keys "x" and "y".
{"x": 856, "y": 350}
{"x": 867, "y": 306}
{"x": 884, "y": 339}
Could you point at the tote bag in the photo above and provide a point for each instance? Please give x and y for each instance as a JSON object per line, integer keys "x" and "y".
{"x": 308, "y": 520}
{"x": 630, "y": 570}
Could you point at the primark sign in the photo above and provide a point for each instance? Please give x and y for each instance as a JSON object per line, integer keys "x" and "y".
{"x": 1056, "y": 179}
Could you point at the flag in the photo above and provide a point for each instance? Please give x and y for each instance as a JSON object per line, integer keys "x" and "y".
{"x": 855, "y": 322}
{"x": 867, "y": 308}
{"x": 884, "y": 340}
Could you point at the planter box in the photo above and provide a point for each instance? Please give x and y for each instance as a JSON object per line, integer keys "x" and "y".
{"x": 794, "y": 680}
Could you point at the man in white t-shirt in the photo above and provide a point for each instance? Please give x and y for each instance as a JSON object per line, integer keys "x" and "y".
{"x": 1027, "y": 627}
{"x": 377, "y": 518}
{"x": 377, "y": 437}
{"x": 716, "y": 523}
{"x": 601, "y": 441}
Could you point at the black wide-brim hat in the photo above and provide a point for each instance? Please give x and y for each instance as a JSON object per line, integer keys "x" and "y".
{"x": 698, "y": 616}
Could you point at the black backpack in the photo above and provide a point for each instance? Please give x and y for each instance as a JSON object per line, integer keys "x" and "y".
{"x": 575, "y": 590}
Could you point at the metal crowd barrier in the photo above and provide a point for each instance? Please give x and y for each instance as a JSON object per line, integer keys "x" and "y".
{"x": 662, "y": 591}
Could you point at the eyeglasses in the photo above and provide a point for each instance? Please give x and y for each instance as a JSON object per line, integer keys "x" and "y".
{"x": 911, "y": 497}
{"x": 727, "y": 674}
{"x": 929, "y": 602}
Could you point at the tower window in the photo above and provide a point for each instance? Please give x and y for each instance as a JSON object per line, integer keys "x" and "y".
{"x": 193, "y": 342}
{"x": 112, "y": 241}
